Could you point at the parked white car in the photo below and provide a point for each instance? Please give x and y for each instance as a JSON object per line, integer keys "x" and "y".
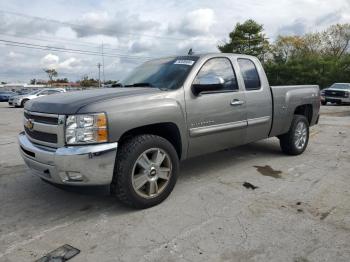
{"x": 19, "y": 101}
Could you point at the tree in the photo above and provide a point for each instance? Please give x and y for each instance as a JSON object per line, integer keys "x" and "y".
{"x": 63, "y": 80}
{"x": 286, "y": 48}
{"x": 51, "y": 74}
{"x": 86, "y": 82}
{"x": 337, "y": 39}
{"x": 247, "y": 38}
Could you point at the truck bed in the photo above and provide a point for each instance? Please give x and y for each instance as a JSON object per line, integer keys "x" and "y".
{"x": 285, "y": 101}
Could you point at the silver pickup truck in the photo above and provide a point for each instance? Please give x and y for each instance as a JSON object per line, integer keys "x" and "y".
{"x": 166, "y": 110}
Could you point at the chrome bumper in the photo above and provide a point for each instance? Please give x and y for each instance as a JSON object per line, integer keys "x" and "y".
{"x": 340, "y": 99}
{"x": 73, "y": 165}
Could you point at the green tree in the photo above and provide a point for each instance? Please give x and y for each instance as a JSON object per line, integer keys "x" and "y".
{"x": 51, "y": 73}
{"x": 247, "y": 38}
{"x": 86, "y": 82}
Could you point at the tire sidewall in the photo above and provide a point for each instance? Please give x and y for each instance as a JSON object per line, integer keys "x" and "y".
{"x": 153, "y": 142}
{"x": 297, "y": 119}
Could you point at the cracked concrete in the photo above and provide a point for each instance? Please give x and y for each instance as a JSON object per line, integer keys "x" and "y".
{"x": 302, "y": 216}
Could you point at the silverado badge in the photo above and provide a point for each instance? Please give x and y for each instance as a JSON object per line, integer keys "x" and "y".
{"x": 29, "y": 124}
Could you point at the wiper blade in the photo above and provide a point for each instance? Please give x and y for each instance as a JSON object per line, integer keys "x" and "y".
{"x": 140, "y": 85}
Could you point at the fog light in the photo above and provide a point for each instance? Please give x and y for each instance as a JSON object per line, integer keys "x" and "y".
{"x": 71, "y": 176}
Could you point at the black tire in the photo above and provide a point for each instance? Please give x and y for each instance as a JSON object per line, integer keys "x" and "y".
{"x": 323, "y": 103}
{"x": 127, "y": 155}
{"x": 288, "y": 140}
{"x": 23, "y": 102}
{"x": 338, "y": 103}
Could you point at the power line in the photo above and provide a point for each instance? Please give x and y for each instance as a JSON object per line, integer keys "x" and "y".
{"x": 59, "y": 40}
{"x": 96, "y": 28}
{"x": 68, "y": 50}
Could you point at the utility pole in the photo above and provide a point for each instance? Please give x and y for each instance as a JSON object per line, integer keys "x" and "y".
{"x": 103, "y": 65}
{"x": 99, "y": 74}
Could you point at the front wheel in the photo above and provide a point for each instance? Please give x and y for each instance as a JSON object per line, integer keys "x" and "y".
{"x": 145, "y": 171}
{"x": 295, "y": 141}
{"x": 23, "y": 102}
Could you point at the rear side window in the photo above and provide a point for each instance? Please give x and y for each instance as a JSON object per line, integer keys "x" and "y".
{"x": 250, "y": 74}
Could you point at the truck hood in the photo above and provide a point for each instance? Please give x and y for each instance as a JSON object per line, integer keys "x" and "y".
{"x": 337, "y": 89}
{"x": 71, "y": 102}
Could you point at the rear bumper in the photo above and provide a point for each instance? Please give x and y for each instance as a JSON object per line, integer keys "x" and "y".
{"x": 74, "y": 165}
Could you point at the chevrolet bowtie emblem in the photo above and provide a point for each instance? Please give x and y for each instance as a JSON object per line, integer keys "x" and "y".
{"x": 30, "y": 124}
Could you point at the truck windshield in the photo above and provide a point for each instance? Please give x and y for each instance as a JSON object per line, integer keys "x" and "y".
{"x": 340, "y": 86}
{"x": 165, "y": 73}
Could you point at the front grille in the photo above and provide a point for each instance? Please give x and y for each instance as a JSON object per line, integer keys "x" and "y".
{"x": 335, "y": 93}
{"x": 44, "y": 129}
{"x": 41, "y": 136}
{"x": 41, "y": 119}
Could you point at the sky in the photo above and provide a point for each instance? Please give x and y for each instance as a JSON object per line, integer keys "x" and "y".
{"x": 131, "y": 32}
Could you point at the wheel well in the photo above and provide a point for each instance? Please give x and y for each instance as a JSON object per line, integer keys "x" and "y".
{"x": 305, "y": 110}
{"x": 169, "y": 131}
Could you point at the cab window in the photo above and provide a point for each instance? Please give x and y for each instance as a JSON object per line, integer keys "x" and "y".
{"x": 250, "y": 74}
{"x": 219, "y": 67}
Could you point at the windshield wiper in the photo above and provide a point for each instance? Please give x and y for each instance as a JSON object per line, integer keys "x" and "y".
{"x": 140, "y": 85}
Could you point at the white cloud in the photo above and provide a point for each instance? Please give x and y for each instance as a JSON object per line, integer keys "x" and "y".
{"x": 119, "y": 25}
{"x": 53, "y": 62}
{"x": 143, "y": 45}
{"x": 14, "y": 55}
{"x": 50, "y": 61}
{"x": 126, "y": 29}
{"x": 197, "y": 22}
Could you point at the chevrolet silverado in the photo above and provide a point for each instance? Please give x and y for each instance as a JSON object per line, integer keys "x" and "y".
{"x": 167, "y": 110}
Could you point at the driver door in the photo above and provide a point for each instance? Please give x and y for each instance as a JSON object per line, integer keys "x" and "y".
{"x": 217, "y": 119}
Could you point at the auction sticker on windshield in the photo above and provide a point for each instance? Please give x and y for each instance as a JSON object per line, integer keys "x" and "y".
{"x": 184, "y": 62}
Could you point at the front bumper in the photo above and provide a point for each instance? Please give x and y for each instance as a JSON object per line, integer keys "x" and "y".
{"x": 72, "y": 165}
{"x": 15, "y": 102}
{"x": 337, "y": 99}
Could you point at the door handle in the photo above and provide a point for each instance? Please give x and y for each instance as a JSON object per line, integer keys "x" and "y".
{"x": 236, "y": 102}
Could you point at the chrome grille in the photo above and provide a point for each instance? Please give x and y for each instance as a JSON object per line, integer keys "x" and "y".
{"x": 335, "y": 93}
{"x": 44, "y": 129}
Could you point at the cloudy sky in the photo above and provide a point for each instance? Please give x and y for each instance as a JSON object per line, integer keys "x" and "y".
{"x": 134, "y": 31}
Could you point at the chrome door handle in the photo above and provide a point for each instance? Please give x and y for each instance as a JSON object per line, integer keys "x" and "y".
{"x": 236, "y": 102}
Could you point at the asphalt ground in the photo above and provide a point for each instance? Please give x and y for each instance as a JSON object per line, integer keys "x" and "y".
{"x": 300, "y": 211}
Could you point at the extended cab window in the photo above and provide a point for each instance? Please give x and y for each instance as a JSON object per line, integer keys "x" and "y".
{"x": 250, "y": 74}
{"x": 220, "y": 67}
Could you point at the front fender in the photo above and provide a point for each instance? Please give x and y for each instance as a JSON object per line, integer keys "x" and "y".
{"x": 127, "y": 114}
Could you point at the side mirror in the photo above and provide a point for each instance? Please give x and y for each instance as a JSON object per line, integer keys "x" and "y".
{"x": 207, "y": 83}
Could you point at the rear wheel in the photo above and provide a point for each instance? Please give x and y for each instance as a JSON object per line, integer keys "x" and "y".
{"x": 295, "y": 141}
{"x": 145, "y": 171}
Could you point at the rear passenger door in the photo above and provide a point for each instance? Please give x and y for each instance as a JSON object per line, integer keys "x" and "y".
{"x": 258, "y": 99}
{"x": 216, "y": 119}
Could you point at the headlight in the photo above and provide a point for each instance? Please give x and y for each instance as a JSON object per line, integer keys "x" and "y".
{"x": 83, "y": 129}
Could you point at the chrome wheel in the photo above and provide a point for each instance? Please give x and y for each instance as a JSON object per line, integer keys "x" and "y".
{"x": 300, "y": 135}
{"x": 151, "y": 173}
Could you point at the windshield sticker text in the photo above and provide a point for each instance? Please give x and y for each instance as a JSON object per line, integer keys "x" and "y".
{"x": 184, "y": 62}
